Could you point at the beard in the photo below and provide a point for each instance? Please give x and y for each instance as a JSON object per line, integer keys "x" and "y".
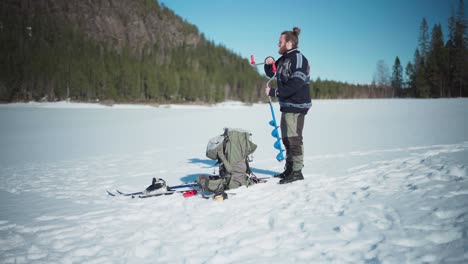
{"x": 282, "y": 50}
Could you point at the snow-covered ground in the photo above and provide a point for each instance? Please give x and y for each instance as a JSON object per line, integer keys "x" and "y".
{"x": 385, "y": 182}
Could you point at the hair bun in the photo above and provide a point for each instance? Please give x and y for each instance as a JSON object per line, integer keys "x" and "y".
{"x": 297, "y": 31}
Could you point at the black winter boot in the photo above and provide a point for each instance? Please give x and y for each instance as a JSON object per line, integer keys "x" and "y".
{"x": 287, "y": 170}
{"x": 293, "y": 176}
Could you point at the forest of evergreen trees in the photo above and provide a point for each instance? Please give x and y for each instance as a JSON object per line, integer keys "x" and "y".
{"x": 54, "y": 61}
{"x": 440, "y": 66}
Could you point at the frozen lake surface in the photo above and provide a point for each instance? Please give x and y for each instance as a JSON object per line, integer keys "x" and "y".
{"x": 385, "y": 182}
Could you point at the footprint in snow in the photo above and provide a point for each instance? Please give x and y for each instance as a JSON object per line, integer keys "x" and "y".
{"x": 349, "y": 231}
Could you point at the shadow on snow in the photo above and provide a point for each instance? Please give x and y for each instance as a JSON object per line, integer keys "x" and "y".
{"x": 210, "y": 164}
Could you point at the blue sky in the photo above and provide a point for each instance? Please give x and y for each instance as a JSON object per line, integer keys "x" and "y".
{"x": 342, "y": 39}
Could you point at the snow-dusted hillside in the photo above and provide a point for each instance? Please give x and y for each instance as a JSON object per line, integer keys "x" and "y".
{"x": 385, "y": 182}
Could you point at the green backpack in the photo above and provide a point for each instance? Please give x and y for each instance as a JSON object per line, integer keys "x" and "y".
{"x": 231, "y": 150}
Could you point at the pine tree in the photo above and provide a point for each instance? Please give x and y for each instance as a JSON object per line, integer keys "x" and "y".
{"x": 419, "y": 75}
{"x": 457, "y": 52}
{"x": 437, "y": 63}
{"x": 397, "y": 78}
{"x": 410, "y": 79}
{"x": 424, "y": 39}
{"x": 462, "y": 45}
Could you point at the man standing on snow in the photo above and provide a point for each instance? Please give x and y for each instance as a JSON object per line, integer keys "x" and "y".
{"x": 293, "y": 93}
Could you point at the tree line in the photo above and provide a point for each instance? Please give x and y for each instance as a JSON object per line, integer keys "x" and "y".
{"x": 439, "y": 67}
{"x": 44, "y": 58}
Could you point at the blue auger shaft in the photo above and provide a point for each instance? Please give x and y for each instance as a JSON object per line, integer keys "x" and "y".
{"x": 280, "y": 155}
{"x": 269, "y": 100}
{"x": 272, "y": 112}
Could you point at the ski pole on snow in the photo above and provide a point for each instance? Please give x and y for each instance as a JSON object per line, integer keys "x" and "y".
{"x": 273, "y": 123}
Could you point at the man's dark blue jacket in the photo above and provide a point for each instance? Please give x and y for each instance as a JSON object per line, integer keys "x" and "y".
{"x": 293, "y": 80}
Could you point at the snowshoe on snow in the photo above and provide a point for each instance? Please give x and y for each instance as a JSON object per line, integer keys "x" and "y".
{"x": 158, "y": 186}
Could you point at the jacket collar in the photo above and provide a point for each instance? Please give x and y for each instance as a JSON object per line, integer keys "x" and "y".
{"x": 290, "y": 52}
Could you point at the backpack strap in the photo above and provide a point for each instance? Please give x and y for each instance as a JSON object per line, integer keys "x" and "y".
{"x": 222, "y": 157}
{"x": 224, "y": 161}
{"x": 248, "y": 170}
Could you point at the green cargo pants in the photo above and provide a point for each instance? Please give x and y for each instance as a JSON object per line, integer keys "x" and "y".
{"x": 292, "y": 125}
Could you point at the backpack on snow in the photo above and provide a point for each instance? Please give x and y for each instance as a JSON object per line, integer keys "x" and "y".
{"x": 231, "y": 150}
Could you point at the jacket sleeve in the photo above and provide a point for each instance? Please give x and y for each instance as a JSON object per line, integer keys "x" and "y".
{"x": 273, "y": 92}
{"x": 298, "y": 78}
